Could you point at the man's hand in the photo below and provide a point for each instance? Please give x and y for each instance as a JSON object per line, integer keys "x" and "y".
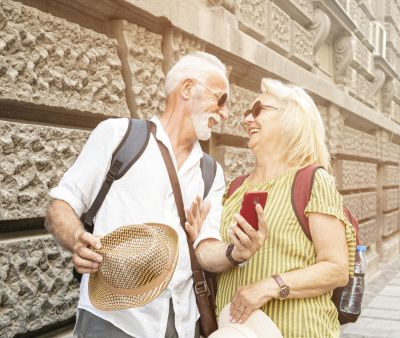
{"x": 247, "y": 299}
{"x": 84, "y": 259}
{"x": 195, "y": 217}
{"x": 247, "y": 240}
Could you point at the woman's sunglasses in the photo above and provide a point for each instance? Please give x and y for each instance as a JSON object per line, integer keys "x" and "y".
{"x": 256, "y": 110}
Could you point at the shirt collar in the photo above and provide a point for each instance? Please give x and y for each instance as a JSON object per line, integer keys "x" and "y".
{"x": 162, "y": 135}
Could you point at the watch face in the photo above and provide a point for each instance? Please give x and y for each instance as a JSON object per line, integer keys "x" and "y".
{"x": 283, "y": 292}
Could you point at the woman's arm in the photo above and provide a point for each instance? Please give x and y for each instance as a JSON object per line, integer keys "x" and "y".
{"x": 330, "y": 270}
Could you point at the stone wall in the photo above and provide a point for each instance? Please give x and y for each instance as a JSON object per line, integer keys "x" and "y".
{"x": 66, "y": 65}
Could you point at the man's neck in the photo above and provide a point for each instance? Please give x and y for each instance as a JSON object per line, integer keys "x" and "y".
{"x": 179, "y": 129}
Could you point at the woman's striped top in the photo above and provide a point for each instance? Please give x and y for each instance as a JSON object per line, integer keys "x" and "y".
{"x": 287, "y": 248}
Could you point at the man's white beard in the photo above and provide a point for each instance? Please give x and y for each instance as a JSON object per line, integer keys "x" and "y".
{"x": 200, "y": 124}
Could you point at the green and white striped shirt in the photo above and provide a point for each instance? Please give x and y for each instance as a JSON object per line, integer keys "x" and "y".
{"x": 286, "y": 249}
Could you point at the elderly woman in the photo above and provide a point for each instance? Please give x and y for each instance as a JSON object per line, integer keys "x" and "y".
{"x": 286, "y": 133}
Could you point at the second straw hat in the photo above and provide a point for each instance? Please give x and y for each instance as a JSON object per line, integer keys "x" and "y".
{"x": 138, "y": 263}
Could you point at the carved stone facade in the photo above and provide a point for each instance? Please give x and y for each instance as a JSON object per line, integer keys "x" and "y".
{"x": 49, "y": 61}
{"x": 241, "y": 100}
{"x": 278, "y": 35}
{"x": 141, "y": 57}
{"x": 234, "y": 161}
{"x": 355, "y": 175}
{"x": 368, "y": 232}
{"x": 252, "y": 16}
{"x": 36, "y": 285}
{"x": 390, "y": 223}
{"x": 66, "y": 65}
{"x": 34, "y": 158}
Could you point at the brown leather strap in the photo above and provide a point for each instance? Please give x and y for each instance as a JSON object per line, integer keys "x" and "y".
{"x": 201, "y": 289}
{"x": 278, "y": 280}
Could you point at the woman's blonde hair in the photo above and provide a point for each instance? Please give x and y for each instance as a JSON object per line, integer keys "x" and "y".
{"x": 303, "y": 131}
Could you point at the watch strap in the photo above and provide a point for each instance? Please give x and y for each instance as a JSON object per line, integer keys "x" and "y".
{"x": 283, "y": 292}
{"x": 228, "y": 254}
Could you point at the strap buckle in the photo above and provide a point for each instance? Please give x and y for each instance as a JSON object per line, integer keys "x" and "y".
{"x": 202, "y": 288}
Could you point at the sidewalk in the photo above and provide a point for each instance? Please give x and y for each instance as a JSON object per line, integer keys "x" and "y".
{"x": 380, "y": 316}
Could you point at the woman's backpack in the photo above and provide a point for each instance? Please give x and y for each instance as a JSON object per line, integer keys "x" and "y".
{"x": 301, "y": 194}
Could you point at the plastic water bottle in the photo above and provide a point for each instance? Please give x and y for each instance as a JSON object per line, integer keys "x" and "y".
{"x": 353, "y": 293}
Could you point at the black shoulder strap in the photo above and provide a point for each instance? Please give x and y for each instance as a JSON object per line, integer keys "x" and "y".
{"x": 208, "y": 168}
{"x": 125, "y": 155}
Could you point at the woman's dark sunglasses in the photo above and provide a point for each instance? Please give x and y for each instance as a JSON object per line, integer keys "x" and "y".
{"x": 256, "y": 110}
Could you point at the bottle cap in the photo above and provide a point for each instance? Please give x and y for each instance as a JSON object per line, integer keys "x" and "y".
{"x": 361, "y": 248}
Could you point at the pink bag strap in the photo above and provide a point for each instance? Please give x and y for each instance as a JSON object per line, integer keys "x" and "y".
{"x": 235, "y": 184}
{"x": 301, "y": 193}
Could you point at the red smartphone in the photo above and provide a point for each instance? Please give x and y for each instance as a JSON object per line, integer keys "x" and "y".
{"x": 248, "y": 209}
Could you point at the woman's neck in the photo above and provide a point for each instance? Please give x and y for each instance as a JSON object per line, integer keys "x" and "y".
{"x": 268, "y": 166}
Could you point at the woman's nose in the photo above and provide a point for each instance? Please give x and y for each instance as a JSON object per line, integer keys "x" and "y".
{"x": 248, "y": 118}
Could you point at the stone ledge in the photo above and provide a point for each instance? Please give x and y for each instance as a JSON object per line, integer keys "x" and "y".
{"x": 37, "y": 287}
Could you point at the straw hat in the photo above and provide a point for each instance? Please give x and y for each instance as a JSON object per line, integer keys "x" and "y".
{"x": 258, "y": 325}
{"x": 138, "y": 263}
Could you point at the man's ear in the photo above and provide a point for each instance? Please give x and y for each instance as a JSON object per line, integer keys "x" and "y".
{"x": 186, "y": 89}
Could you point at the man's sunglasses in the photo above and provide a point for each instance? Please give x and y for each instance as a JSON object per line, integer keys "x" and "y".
{"x": 222, "y": 97}
{"x": 257, "y": 108}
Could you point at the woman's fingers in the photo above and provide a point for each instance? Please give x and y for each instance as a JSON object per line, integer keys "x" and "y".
{"x": 235, "y": 310}
{"x": 262, "y": 222}
{"x": 236, "y": 241}
{"x": 245, "y": 226}
{"x": 241, "y": 236}
{"x": 244, "y": 315}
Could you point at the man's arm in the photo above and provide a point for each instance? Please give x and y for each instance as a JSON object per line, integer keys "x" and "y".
{"x": 67, "y": 229}
{"x": 74, "y": 194}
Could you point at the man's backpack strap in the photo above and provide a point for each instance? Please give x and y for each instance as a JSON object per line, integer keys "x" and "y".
{"x": 235, "y": 184}
{"x": 208, "y": 168}
{"x": 301, "y": 194}
{"x": 125, "y": 155}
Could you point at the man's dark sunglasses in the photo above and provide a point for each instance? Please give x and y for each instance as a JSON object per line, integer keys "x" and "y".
{"x": 256, "y": 110}
{"x": 221, "y": 97}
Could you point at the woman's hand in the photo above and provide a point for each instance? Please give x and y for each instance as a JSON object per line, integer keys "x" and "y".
{"x": 195, "y": 217}
{"x": 247, "y": 299}
{"x": 246, "y": 240}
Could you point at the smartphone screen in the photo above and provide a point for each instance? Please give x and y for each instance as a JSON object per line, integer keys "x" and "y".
{"x": 248, "y": 209}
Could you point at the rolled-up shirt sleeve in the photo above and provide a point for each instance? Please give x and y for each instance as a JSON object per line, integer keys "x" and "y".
{"x": 211, "y": 225}
{"x": 81, "y": 182}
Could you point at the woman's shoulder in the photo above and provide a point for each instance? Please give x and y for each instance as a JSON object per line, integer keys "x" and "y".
{"x": 322, "y": 177}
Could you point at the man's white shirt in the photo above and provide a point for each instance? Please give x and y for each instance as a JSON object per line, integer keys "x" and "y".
{"x": 143, "y": 194}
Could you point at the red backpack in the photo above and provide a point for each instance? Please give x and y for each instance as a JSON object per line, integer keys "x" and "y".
{"x": 301, "y": 194}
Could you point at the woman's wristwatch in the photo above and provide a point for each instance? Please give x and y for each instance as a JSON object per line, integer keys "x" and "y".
{"x": 228, "y": 255}
{"x": 283, "y": 291}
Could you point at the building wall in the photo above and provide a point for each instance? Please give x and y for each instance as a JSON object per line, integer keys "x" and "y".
{"x": 66, "y": 65}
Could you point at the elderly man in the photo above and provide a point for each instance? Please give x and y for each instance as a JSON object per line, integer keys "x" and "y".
{"x": 197, "y": 92}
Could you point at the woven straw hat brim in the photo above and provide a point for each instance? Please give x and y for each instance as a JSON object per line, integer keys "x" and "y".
{"x": 105, "y": 297}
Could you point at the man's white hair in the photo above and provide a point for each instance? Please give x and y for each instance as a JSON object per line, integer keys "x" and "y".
{"x": 198, "y": 66}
